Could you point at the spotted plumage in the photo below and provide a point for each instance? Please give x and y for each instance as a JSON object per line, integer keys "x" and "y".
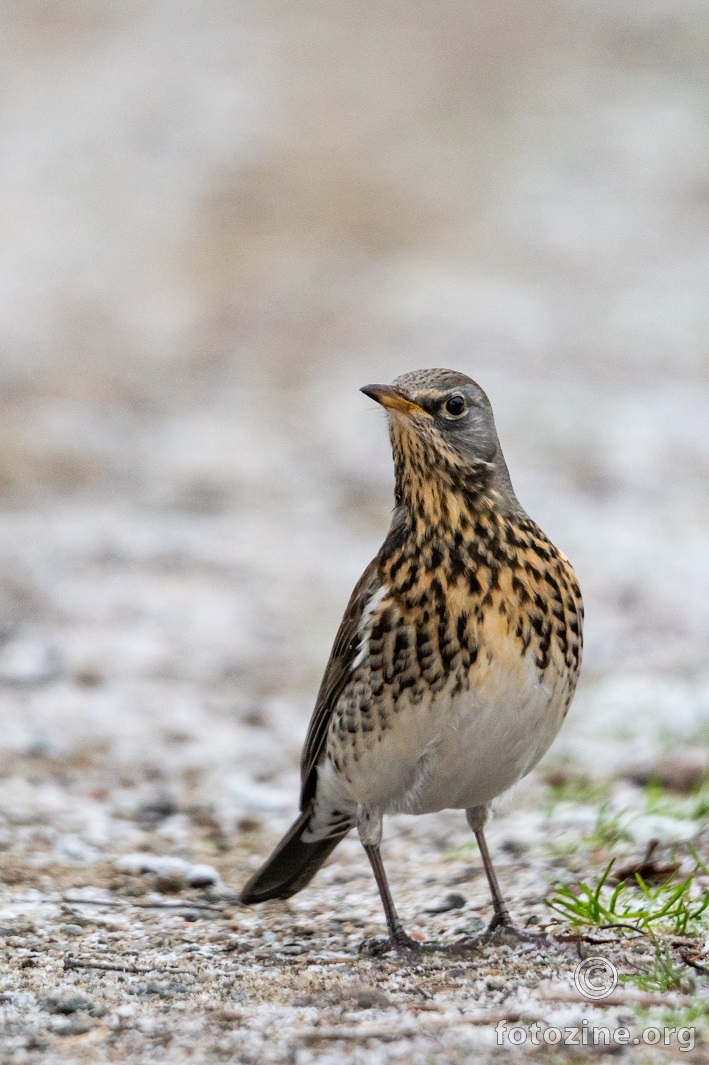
{"x": 458, "y": 654}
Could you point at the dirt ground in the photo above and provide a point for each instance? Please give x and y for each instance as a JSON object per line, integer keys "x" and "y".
{"x": 219, "y": 221}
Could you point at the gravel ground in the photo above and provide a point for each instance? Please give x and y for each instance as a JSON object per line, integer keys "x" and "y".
{"x": 218, "y": 222}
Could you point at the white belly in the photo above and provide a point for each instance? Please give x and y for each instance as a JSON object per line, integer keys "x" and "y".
{"x": 457, "y": 752}
{"x": 481, "y": 748}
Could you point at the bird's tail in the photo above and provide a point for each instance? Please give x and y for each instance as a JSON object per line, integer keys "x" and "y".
{"x": 292, "y": 865}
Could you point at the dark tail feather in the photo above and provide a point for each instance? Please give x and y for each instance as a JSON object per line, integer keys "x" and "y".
{"x": 292, "y": 865}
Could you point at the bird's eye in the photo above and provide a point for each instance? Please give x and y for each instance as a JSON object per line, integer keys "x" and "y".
{"x": 455, "y": 406}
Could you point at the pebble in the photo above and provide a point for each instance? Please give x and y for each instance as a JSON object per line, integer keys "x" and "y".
{"x": 170, "y": 885}
{"x": 371, "y": 998}
{"x": 65, "y": 1002}
{"x": 135, "y": 864}
{"x": 71, "y": 929}
{"x": 452, "y": 901}
{"x": 682, "y": 771}
{"x": 157, "y": 809}
{"x": 169, "y": 868}
{"x": 79, "y": 1024}
{"x": 202, "y": 875}
{"x": 71, "y": 848}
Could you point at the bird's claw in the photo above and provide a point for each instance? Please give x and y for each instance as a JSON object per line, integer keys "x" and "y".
{"x": 501, "y": 930}
{"x": 401, "y": 944}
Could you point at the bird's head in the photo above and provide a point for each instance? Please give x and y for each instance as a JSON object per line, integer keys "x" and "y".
{"x": 443, "y": 437}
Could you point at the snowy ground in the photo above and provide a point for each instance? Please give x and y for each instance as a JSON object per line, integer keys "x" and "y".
{"x": 218, "y": 221}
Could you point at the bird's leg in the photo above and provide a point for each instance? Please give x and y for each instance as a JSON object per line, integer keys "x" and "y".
{"x": 476, "y": 817}
{"x": 501, "y": 924}
{"x": 501, "y": 915}
{"x": 369, "y": 827}
{"x": 399, "y": 939}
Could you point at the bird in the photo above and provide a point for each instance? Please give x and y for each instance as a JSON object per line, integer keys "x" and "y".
{"x": 457, "y": 657}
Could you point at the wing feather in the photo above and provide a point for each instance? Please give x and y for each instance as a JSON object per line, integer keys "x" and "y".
{"x": 337, "y": 674}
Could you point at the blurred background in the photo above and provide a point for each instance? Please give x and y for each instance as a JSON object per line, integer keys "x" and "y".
{"x": 218, "y": 220}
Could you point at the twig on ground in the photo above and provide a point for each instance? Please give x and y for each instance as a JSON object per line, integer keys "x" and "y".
{"x": 72, "y": 962}
{"x": 586, "y": 937}
{"x": 124, "y": 903}
{"x": 157, "y": 905}
{"x": 629, "y": 927}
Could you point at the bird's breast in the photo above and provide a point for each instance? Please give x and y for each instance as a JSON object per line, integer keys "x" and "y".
{"x": 466, "y": 664}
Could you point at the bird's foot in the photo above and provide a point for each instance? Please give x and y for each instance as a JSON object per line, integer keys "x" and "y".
{"x": 379, "y": 945}
{"x": 401, "y": 944}
{"x": 502, "y": 930}
{"x": 375, "y": 947}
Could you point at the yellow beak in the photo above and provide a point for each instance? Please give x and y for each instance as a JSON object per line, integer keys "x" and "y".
{"x": 392, "y": 399}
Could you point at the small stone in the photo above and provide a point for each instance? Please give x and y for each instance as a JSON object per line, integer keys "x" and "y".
{"x": 133, "y": 864}
{"x": 165, "y": 989}
{"x": 494, "y": 983}
{"x": 36, "y": 1041}
{"x": 152, "y": 863}
{"x": 79, "y": 1024}
{"x": 65, "y": 1002}
{"x": 453, "y": 901}
{"x": 167, "y": 866}
{"x": 371, "y": 998}
{"x": 79, "y": 919}
{"x": 515, "y": 847}
{"x": 157, "y": 809}
{"x": 683, "y": 771}
{"x": 73, "y": 849}
{"x": 249, "y": 824}
{"x": 170, "y": 885}
{"x": 202, "y": 876}
{"x": 71, "y": 929}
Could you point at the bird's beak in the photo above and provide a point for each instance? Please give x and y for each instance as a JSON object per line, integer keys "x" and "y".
{"x": 392, "y": 399}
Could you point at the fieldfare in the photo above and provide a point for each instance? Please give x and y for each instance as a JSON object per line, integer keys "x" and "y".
{"x": 457, "y": 657}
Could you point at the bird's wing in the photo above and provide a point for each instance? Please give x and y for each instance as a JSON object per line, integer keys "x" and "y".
{"x": 337, "y": 673}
